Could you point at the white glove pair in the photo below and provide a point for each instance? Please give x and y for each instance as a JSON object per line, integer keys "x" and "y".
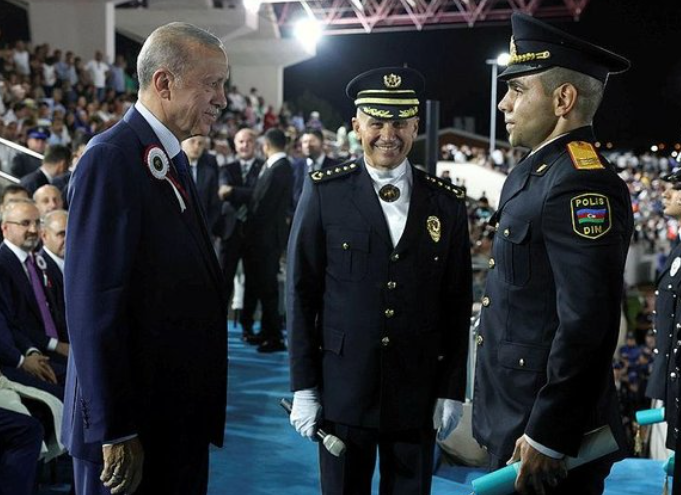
{"x": 446, "y": 417}
{"x": 306, "y": 412}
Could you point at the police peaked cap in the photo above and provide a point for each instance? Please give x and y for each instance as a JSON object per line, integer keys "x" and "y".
{"x": 388, "y": 93}
{"x": 537, "y": 46}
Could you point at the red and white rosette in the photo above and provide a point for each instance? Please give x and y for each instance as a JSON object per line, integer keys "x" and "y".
{"x": 158, "y": 164}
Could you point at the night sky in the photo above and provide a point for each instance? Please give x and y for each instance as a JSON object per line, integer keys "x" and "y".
{"x": 641, "y": 107}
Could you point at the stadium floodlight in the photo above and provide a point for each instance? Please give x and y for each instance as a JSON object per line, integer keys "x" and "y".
{"x": 252, "y": 6}
{"x": 308, "y": 31}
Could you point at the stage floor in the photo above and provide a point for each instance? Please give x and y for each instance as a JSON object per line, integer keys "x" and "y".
{"x": 263, "y": 455}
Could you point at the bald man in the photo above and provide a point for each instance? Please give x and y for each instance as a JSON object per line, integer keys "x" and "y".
{"x": 48, "y": 198}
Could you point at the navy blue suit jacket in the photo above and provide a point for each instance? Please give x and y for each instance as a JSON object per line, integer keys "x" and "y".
{"x": 34, "y": 180}
{"x": 207, "y": 189}
{"x": 300, "y": 174}
{"x": 145, "y": 303}
{"x": 23, "y": 311}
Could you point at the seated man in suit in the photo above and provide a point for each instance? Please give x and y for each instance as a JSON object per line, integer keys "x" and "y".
{"x": 48, "y": 198}
{"x": 204, "y": 170}
{"x": 314, "y": 158}
{"x": 266, "y": 234}
{"x": 237, "y": 181}
{"x": 21, "y": 437}
{"x": 53, "y": 235}
{"x": 55, "y": 162}
{"x": 23, "y": 279}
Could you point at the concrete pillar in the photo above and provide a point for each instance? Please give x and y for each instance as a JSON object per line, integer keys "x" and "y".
{"x": 268, "y": 80}
{"x": 81, "y": 27}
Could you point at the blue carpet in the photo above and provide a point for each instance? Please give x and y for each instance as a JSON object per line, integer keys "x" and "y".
{"x": 263, "y": 455}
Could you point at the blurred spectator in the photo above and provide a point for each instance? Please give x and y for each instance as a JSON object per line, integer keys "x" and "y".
{"x": 98, "y": 71}
{"x": 48, "y": 198}
{"x": 56, "y": 161}
{"x": 36, "y": 140}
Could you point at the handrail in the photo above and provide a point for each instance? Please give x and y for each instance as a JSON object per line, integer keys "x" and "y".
{"x": 23, "y": 149}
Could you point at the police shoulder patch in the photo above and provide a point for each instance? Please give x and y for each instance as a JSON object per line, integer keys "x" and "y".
{"x": 584, "y": 156}
{"x": 323, "y": 175}
{"x": 590, "y": 215}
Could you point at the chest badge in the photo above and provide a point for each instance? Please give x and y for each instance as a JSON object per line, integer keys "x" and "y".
{"x": 389, "y": 193}
{"x": 590, "y": 215}
{"x": 676, "y": 264}
{"x": 434, "y": 228}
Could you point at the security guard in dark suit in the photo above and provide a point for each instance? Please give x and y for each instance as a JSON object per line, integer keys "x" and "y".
{"x": 379, "y": 300}
{"x": 552, "y": 303}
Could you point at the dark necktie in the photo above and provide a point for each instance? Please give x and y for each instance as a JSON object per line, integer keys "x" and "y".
{"x": 39, "y": 292}
{"x": 182, "y": 166}
{"x": 244, "y": 171}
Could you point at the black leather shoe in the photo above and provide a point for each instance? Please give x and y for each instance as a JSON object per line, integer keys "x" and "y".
{"x": 272, "y": 346}
{"x": 251, "y": 339}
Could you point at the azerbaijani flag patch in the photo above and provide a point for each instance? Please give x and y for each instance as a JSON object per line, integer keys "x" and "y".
{"x": 590, "y": 215}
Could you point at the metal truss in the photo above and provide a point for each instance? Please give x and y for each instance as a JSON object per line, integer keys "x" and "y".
{"x": 367, "y": 16}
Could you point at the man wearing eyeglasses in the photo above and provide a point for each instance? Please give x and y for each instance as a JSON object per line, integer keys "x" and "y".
{"x": 23, "y": 289}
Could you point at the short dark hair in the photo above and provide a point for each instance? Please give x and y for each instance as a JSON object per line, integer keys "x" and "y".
{"x": 276, "y": 138}
{"x": 56, "y": 153}
{"x": 82, "y": 138}
{"x": 13, "y": 189}
{"x": 315, "y": 132}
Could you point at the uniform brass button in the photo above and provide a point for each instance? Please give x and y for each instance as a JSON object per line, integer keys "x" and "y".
{"x": 436, "y": 258}
{"x": 440, "y": 358}
{"x": 479, "y": 340}
{"x": 678, "y": 325}
{"x": 669, "y": 286}
{"x": 346, "y": 246}
{"x": 672, "y": 376}
{"x": 491, "y": 263}
{"x": 395, "y": 257}
{"x": 496, "y": 227}
{"x": 392, "y": 285}
{"x": 389, "y": 313}
{"x": 485, "y": 301}
{"x": 657, "y": 292}
{"x": 385, "y": 341}
{"x": 507, "y": 232}
{"x": 521, "y": 362}
{"x": 656, "y": 351}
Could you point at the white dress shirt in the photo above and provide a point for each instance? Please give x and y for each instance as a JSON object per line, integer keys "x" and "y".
{"x": 396, "y": 212}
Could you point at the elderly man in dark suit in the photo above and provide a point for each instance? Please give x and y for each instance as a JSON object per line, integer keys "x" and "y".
{"x": 266, "y": 233}
{"x": 146, "y": 311}
{"x": 203, "y": 169}
{"x": 379, "y": 300}
{"x": 314, "y": 158}
{"x": 55, "y": 163}
{"x": 48, "y": 198}
{"x": 237, "y": 181}
{"x": 24, "y": 281}
{"x": 552, "y": 304}
{"x": 53, "y": 235}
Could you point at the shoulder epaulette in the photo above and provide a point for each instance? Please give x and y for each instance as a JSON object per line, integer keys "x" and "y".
{"x": 439, "y": 184}
{"x": 584, "y": 156}
{"x": 334, "y": 172}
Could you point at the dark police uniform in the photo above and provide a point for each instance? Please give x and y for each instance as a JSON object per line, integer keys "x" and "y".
{"x": 380, "y": 330}
{"x": 552, "y": 303}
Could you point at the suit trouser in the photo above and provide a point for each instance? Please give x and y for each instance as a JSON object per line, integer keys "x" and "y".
{"x": 405, "y": 461}
{"x": 20, "y": 439}
{"x": 261, "y": 267}
{"x": 231, "y": 251}
{"x": 169, "y": 469}
{"x": 588, "y": 479}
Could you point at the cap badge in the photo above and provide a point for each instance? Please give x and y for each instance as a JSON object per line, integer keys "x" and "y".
{"x": 434, "y": 228}
{"x": 389, "y": 193}
{"x": 392, "y": 81}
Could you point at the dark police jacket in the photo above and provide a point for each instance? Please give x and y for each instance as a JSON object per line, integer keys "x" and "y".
{"x": 552, "y": 304}
{"x": 381, "y": 330}
{"x": 663, "y": 381}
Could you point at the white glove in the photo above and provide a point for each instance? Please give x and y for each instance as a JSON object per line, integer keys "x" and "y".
{"x": 446, "y": 417}
{"x": 305, "y": 412}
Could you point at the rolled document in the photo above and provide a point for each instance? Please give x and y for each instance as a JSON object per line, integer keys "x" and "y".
{"x": 596, "y": 444}
{"x": 669, "y": 465}
{"x": 650, "y": 416}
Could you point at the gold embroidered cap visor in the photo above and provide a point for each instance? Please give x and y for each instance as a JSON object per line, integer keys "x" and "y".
{"x": 387, "y": 93}
{"x": 537, "y": 46}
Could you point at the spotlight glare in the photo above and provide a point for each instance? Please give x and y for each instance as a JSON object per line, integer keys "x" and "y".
{"x": 308, "y": 31}
{"x": 252, "y": 6}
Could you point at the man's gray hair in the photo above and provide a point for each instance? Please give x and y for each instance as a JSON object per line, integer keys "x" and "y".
{"x": 170, "y": 47}
{"x": 52, "y": 216}
{"x": 589, "y": 89}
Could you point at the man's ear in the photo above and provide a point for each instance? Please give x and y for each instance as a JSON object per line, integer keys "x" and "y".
{"x": 564, "y": 99}
{"x": 416, "y": 127}
{"x": 162, "y": 81}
